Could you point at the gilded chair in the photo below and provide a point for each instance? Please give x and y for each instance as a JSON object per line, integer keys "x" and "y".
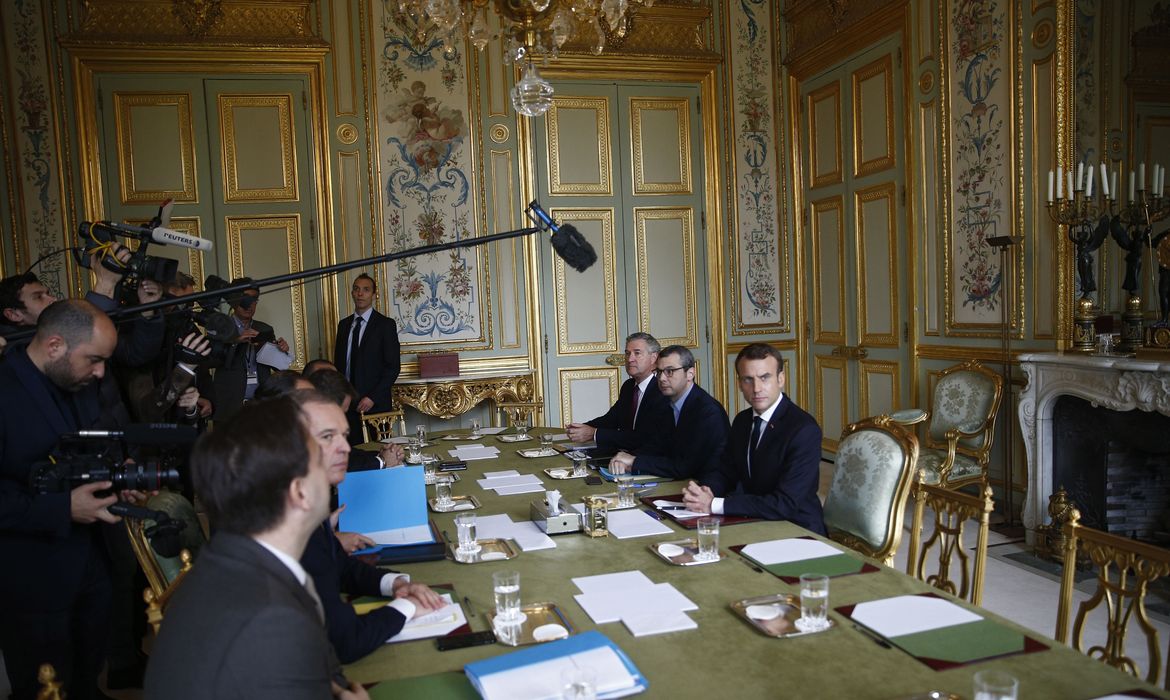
{"x": 960, "y": 425}
{"x": 953, "y": 511}
{"x": 163, "y": 573}
{"x": 871, "y": 481}
{"x": 509, "y": 412}
{"x": 51, "y": 688}
{"x": 1125, "y": 570}
{"x": 380, "y": 426}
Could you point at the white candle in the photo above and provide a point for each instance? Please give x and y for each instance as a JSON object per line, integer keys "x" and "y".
{"x": 1142, "y": 177}
{"x": 1131, "y": 187}
{"x": 1113, "y": 186}
{"x": 1060, "y": 182}
{"x": 1050, "y": 185}
{"x": 1080, "y": 175}
{"x": 1089, "y": 183}
{"x": 1071, "y": 192}
{"x": 1105, "y": 181}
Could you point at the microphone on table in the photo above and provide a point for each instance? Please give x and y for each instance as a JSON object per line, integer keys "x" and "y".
{"x": 573, "y": 248}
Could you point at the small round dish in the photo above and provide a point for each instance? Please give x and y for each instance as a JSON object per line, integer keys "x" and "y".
{"x": 492, "y": 556}
{"x": 549, "y": 632}
{"x": 764, "y": 612}
{"x": 558, "y": 473}
{"x": 670, "y": 550}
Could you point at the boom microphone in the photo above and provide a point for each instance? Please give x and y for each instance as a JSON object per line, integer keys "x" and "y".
{"x": 168, "y": 236}
{"x": 573, "y": 248}
{"x": 161, "y": 434}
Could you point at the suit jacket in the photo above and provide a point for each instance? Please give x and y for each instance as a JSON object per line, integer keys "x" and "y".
{"x": 616, "y": 432}
{"x": 230, "y": 381}
{"x": 688, "y": 449}
{"x": 240, "y": 625}
{"x": 378, "y": 361}
{"x": 45, "y": 556}
{"x": 334, "y": 572}
{"x": 784, "y": 474}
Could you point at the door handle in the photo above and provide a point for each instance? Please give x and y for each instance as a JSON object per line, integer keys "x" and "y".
{"x": 851, "y": 352}
{"x": 616, "y": 360}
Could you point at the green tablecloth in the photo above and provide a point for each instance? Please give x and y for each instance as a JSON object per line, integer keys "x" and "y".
{"x": 724, "y": 654}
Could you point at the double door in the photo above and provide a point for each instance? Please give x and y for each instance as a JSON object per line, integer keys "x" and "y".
{"x": 235, "y": 156}
{"x": 622, "y": 164}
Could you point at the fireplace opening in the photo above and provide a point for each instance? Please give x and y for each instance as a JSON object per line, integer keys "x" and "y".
{"x": 1115, "y": 466}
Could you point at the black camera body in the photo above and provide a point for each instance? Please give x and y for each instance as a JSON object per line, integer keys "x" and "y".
{"x": 139, "y": 267}
{"x": 94, "y": 456}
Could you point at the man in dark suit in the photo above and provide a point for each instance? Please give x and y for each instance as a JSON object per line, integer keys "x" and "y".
{"x": 55, "y": 589}
{"x": 246, "y": 621}
{"x": 334, "y": 572}
{"x": 237, "y": 373}
{"x": 771, "y": 466}
{"x": 367, "y": 353}
{"x": 641, "y": 411}
{"x": 698, "y": 433}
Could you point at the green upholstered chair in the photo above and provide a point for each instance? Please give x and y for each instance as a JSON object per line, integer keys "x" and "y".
{"x": 953, "y": 511}
{"x": 164, "y": 573}
{"x": 871, "y": 482}
{"x": 960, "y": 426}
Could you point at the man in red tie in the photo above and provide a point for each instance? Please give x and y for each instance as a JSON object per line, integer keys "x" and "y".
{"x": 641, "y": 410}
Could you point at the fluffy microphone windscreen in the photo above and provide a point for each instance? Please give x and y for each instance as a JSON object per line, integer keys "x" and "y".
{"x": 573, "y": 248}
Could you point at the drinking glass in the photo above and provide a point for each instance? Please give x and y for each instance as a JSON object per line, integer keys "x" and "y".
{"x": 546, "y": 441}
{"x": 414, "y": 452}
{"x": 995, "y": 685}
{"x": 475, "y": 427}
{"x": 579, "y": 683}
{"x": 420, "y": 430}
{"x": 523, "y": 423}
{"x": 625, "y": 489}
{"x": 708, "y": 529}
{"x": 443, "y": 491}
{"x": 506, "y": 586}
{"x": 465, "y": 531}
{"x": 814, "y": 603}
{"x": 430, "y": 470}
{"x": 580, "y": 466}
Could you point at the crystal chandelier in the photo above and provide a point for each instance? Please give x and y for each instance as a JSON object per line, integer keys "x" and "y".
{"x": 531, "y": 30}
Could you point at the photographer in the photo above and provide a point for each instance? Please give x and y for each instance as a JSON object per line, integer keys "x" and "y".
{"x": 237, "y": 373}
{"x": 55, "y": 591}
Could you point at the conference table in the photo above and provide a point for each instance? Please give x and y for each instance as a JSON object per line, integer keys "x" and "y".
{"x": 724, "y": 654}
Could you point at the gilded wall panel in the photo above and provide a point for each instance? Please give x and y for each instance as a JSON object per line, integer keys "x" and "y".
{"x": 877, "y": 261}
{"x": 344, "y": 84}
{"x": 156, "y": 147}
{"x": 879, "y": 387}
{"x": 509, "y": 263}
{"x": 660, "y": 127}
{"x": 828, "y": 271}
{"x": 580, "y": 162}
{"x": 266, "y": 246}
{"x": 194, "y": 258}
{"x": 664, "y": 243}
{"x": 584, "y": 325}
{"x": 1043, "y": 241}
{"x": 873, "y": 117}
{"x": 832, "y": 389}
{"x": 259, "y": 152}
{"x": 587, "y": 392}
{"x": 351, "y": 217}
{"x": 824, "y": 109}
{"x": 928, "y": 213}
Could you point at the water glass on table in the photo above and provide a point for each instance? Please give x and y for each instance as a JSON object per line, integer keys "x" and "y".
{"x": 430, "y": 470}
{"x": 579, "y": 683}
{"x": 995, "y": 685}
{"x": 414, "y": 452}
{"x": 814, "y": 603}
{"x": 465, "y": 532}
{"x": 420, "y": 432}
{"x": 506, "y": 587}
{"x": 546, "y": 441}
{"x": 625, "y": 491}
{"x": 708, "y": 532}
{"x": 523, "y": 423}
{"x": 580, "y": 466}
{"x": 475, "y": 427}
{"x": 443, "y": 491}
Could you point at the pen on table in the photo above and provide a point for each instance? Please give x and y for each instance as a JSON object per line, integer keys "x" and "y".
{"x": 752, "y": 566}
{"x": 672, "y": 507}
{"x": 467, "y": 602}
{"x": 654, "y": 515}
{"x": 873, "y": 636}
{"x": 446, "y": 537}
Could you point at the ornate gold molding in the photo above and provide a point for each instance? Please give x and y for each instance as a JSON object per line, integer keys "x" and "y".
{"x": 197, "y": 21}
{"x": 813, "y": 25}
{"x": 453, "y": 397}
{"x": 669, "y": 28}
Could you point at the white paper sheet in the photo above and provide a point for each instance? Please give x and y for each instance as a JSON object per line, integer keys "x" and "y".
{"x": 271, "y": 355}
{"x": 530, "y": 537}
{"x": 658, "y": 623}
{"x": 396, "y": 440}
{"x": 786, "y": 550}
{"x": 907, "y": 614}
{"x": 402, "y": 535}
{"x": 624, "y": 524}
{"x": 492, "y": 431}
{"x": 542, "y": 681}
{"x": 506, "y": 481}
{"x": 614, "y": 605}
{"x": 620, "y": 581}
{"x": 433, "y": 624}
{"x": 520, "y": 488}
{"x": 497, "y": 475}
{"x": 560, "y": 437}
{"x": 473, "y": 453}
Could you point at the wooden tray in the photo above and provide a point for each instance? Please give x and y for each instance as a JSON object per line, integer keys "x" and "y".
{"x": 784, "y": 624}
{"x": 455, "y": 501}
{"x": 536, "y": 627}
{"x": 493, "y": 547}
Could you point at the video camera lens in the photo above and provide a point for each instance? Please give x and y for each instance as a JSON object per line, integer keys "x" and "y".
{"x": 144, "y": 477}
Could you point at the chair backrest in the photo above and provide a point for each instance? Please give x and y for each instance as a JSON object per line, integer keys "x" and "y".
{"x": 160, "y": 570}
{"x": 966, "y": 397}
{"x": 380, "y": 426}
{"x": 51, "y": 688}
{"x": 156, "y": 603}
{"x": 871, "y": 481}
{"x": 510, "y": 411}
{"x": 1125, "y": 570}
{"x": 952, "y": 511}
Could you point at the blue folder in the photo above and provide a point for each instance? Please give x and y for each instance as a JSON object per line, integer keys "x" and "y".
{"x": 384, "y": 499}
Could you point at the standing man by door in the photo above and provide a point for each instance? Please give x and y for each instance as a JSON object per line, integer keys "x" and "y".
{"x": 367, "y": 353}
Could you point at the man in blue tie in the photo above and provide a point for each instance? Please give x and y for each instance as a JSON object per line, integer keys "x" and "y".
{"x": 771, "y": 466}
{"x": 367, "y": 352}
{"x": 699, "y": 433}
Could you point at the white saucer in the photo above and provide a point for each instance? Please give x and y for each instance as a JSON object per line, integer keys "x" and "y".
{"x": 764, "y": 612}
{"x": 670, "y": 550}
{"x": 492, "y": 556}
{"x": 549, "y": 632}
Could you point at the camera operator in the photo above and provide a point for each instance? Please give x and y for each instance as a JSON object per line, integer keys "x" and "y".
{"x": 55, "y": 591}
{"x": 237, "y": 373}
{"x": 22, "y": 299}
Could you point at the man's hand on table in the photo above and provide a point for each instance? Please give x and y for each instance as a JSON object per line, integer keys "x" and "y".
{"x": 580, "y": 432}
{"x": 354, "y": 692}
{"x": 392, "y": 455}
{"x": 697, "y": 498}
{"x": 353, "y": 541}
{"x": 418, "y": 593}
{"x": 622, "y": 463}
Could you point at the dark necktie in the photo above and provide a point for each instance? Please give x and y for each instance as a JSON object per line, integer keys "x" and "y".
{"x": 353, "y": 347}
{"x": 754, "y": 440}
{"x": 634, "y": 405}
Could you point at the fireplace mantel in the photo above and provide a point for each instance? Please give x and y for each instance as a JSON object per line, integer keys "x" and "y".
{"x": 1117, "y": 383}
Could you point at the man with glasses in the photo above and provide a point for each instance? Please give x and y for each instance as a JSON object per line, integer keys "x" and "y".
{"x": 238, "y": 373}
{"x": 641, "y": 410}
{"x": 699, "y": 431}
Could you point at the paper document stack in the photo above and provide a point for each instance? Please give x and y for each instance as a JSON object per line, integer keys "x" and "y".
{"x": 643, "y": 606}
{"x": 473, "y": 451}
{"x": 535, "y": 673}
{"x": 525, "y": 533}
{"x": 510, "y": 482}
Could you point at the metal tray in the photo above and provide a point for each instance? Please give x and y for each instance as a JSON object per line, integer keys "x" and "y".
{"x": 613, "y": 501}
{"x": 537, "y": 616}
{"x": 565, "y": 473}
{"x": 538, "y": 452}
{"x": 455, "y": 502}
{"x": 784, "y": 624}
{"x": 513, "y": 438}
{"x": 492, "y": 548}
{"x": 687, "y": 558}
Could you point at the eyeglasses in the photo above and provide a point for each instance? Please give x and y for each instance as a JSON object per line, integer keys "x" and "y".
{"x": 668, "y": 372}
